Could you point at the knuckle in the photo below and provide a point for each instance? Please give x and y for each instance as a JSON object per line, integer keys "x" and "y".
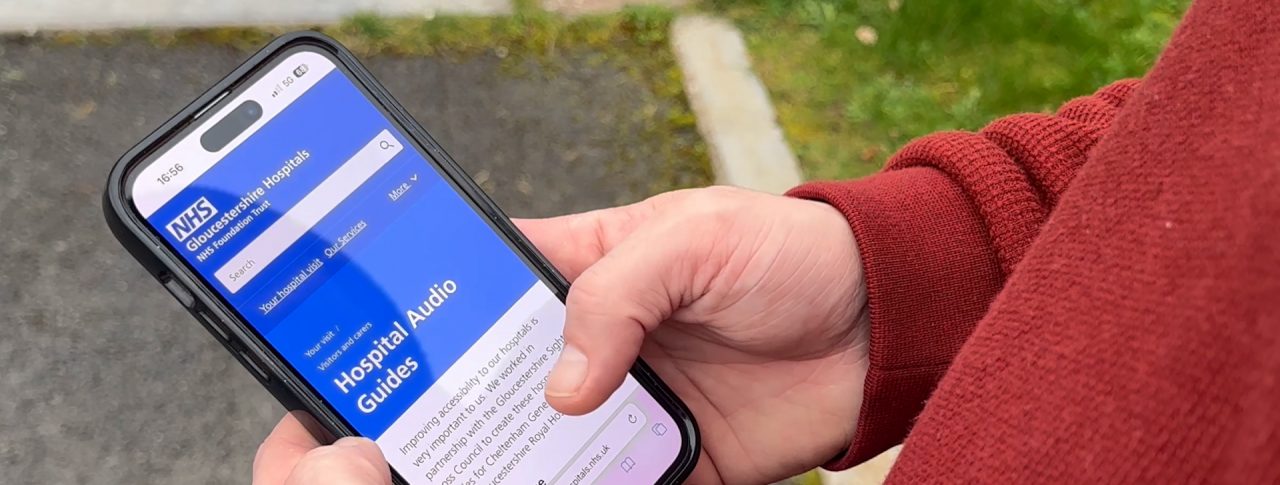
{"x": 264, "y": 449}
{"x": 704, "y": 195}
{"x": 594, "y": 305}
{"x": 725, "y": 190}
{"x": 711, "y": 210}
{"x": 584, "y": 294}
{"x": 328, "y": 461}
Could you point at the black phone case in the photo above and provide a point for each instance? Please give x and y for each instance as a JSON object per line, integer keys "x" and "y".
{"x": 234, "y": 334}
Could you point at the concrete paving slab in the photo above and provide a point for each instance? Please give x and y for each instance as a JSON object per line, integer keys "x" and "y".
{"x": 106, "y": 380}
{"x": 28, "y": 15}
{"x": 579, "y": 7}
{"x": 735, "y": 115}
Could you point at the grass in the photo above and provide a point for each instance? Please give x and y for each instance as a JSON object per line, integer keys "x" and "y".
{"x": 853, "y": 80}
{"x": 634, "y": 40}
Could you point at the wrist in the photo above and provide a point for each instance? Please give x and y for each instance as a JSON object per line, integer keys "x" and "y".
{"x": 850, "y": 326}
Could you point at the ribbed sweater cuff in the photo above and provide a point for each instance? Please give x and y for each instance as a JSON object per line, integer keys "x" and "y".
{"x": 931, "y": 274}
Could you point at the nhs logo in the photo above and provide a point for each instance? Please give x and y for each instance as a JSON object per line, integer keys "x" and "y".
{"x": 191, "y": 219}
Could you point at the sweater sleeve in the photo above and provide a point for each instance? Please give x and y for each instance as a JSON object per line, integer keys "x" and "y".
{"x": 939, "y": 231}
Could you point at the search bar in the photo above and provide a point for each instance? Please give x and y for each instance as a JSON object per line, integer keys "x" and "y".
{"x": 602, "y": 451}
{"x": 304, "y": 215}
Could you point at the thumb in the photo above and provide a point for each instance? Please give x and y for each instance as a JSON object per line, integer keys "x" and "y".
{"x": 610, "y": 308}
{"x": 575, "y": 242}
{"x": 349, "y": 461}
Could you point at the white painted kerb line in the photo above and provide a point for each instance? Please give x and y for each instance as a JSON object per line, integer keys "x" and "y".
{"x": 735, "y": 115}
{"x": 304, "y": 215}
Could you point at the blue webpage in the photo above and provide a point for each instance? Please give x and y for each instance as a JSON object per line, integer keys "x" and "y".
{"x": 363, "y": 268}
{"x": 342, "y": 292}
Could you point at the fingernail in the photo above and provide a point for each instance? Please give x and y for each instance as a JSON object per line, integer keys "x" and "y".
{"x": 568, "y": 374}
{"x": 351, "y": 442}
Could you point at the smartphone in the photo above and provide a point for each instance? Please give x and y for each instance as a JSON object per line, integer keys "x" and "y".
{"x": 327, "y": 241}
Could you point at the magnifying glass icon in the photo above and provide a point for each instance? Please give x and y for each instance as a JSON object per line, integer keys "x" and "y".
{"x": 385, "y": 144}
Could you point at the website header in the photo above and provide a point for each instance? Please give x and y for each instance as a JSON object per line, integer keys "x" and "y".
{"x": 186, "y": 160}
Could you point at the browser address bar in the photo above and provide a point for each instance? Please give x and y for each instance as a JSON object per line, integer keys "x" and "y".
{"x": 304, "y": 215}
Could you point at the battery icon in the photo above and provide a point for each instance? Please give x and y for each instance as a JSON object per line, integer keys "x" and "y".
{"x": 300, "y": 70}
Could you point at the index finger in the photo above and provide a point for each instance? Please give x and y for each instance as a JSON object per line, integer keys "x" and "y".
{"x": 288, "y": 442}
{"x": 575, "y": 242}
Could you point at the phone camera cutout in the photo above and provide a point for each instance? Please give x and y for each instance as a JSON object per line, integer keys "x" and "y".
{"x": 231, "y": 126}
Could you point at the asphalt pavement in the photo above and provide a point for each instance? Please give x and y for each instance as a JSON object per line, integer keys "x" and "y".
{"x": 104, "y": 379}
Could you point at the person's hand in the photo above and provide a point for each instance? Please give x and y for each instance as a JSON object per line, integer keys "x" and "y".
{"x": 750, "y": 306}
{"x": 291, "y": 456}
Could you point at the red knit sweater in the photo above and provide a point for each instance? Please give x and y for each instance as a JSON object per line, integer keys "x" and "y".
{"x": 1091, "y": 296}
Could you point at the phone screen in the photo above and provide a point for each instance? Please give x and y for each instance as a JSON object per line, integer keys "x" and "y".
{"x": 364, "y": 269}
